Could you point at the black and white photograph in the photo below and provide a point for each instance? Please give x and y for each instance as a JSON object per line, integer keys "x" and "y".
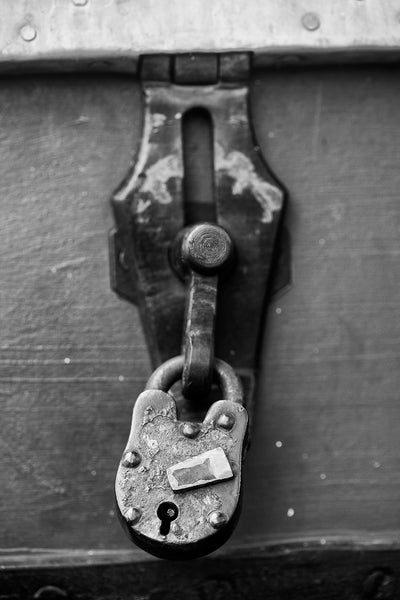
{"x": 200, "y": 299}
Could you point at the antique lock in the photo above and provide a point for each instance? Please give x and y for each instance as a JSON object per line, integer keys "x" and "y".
{"x": 178, "y": 485}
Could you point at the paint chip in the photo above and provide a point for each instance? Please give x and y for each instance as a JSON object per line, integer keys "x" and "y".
{"x": 241, "y": 170}
{"x": 206, "y": 468}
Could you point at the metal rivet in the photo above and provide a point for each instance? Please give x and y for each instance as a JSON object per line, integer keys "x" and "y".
{"x": 131, "y": 459}
{"x": 80, "y": 2}
{"x": 28, "y": 33}
{"x": 133, "y": 515}
{"x": 381, "y": 584}
{"x": 226, "y": 421}
{"x": 217, "y": 519}
{"x": 50, "y": 592}
{"x": 311, "y": 21}
{"x": 190, "y": 430}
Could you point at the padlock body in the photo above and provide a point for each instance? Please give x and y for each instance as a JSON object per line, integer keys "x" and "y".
{"x": 178, "y": 485}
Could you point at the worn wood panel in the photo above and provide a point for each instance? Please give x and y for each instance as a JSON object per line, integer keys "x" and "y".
{"x": 73, "y": 358}
{"x": 330, "y": 384}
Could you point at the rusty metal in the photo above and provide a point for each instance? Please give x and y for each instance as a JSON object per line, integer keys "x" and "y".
{"x": 201, "y": 252}
{"x": 169, "y": 372}
{"x": 183, "y": 500}
{"x": 149, "y": 209}
{"x": 199, "y": 334}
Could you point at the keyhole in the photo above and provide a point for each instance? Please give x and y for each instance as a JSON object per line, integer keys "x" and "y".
{"x": 166, "y": 512}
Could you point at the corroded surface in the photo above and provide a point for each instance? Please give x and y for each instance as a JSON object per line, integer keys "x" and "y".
{"x": 157, "y": 435}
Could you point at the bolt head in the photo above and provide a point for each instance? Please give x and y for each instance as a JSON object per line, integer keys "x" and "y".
{"x": 131, "y": 459}
{"x": 28, "y": 33}
{"x": 207, "y": 248}
{"x": 311, "y": 21}
{"x": 133, "y": 515}
{"x": 226, "y": 421}
{"x": 217, "y": 519}
{"x": 190, "y": 430}
{"x": 50, "y": 592}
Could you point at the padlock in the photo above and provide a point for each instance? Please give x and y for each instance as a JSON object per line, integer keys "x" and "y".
{"x": 178, "y": 484}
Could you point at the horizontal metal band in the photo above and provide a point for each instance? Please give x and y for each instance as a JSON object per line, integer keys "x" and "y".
{"x": 319, "y": 569}
{"x": 111, "y": 34}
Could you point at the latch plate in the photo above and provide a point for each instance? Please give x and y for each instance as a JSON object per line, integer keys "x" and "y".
{"x": 149, "y": 206}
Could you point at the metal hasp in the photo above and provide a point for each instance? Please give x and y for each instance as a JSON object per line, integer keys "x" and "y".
{"x": 200, "y": 254}
{"x": 150, "y": 209}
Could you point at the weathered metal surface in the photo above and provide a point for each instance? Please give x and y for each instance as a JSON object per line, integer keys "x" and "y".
{"x": 110, "y": 34}
{"x": 168, "y": 460}
{"x": 150, "y": 209}
{"x": 206, "y": 468}
{"x": 169, "y": 372}
{"x": 201, "y": 307}
{"x": 199, "y": 254}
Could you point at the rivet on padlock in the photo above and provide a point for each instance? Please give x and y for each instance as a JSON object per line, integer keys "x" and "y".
{"x": 178, "y": 484}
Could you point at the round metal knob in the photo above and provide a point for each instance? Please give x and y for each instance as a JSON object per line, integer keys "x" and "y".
{"x": 207, "y": 248}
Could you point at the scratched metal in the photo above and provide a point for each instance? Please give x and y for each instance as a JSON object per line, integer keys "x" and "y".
{"x": 157, "y": 435}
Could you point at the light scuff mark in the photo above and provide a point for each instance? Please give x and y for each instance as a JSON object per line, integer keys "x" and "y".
{"x": 240, "y": 168}
{"x": 67, "y": 264}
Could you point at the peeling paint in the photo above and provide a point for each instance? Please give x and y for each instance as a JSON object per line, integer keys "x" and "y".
{"x": 157, "y": 121}
{"x": 134, "y": 177}
{"x": 142, "y": 205}
{"x": 158, "y": 175}
{"x": 238, "y": 119}
{"x": 240, "y": 168}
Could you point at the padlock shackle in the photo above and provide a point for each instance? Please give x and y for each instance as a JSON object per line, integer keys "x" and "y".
{"x": 169, "y": 372}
